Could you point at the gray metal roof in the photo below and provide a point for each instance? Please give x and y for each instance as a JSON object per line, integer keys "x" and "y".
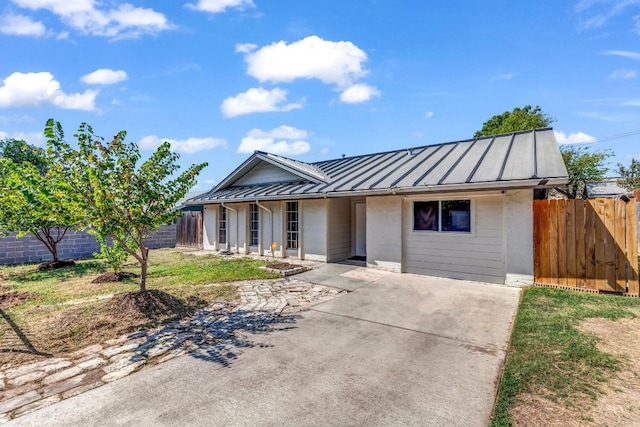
{"x": 607, "y": 188}
{"x": 521, "y": 159}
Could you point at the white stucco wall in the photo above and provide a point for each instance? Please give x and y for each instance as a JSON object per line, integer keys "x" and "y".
{"x": 271, "y": 224}
{"x": 384, "y": 232}
{"x": 479, "y": 255}
{"x": 314, "y": 229}
{"x": 210, "y": 227}
{"x": 519, "y": 237}
{"x": 237, "y": 226}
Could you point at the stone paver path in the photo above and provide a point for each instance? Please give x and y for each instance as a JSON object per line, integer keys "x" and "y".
{"x": 215, "y": 333}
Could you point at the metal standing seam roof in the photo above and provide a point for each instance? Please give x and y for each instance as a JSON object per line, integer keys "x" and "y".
{"x": 521, "y": 159}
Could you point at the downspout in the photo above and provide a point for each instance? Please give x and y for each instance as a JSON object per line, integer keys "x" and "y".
{"x": 271, "y": 218}
{"x": 237, "y": 225}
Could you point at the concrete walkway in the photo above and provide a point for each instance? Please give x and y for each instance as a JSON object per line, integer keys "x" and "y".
{"x": 398, "y": 350}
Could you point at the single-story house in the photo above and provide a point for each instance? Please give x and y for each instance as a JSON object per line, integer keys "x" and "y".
{"x": 460, "y": 209}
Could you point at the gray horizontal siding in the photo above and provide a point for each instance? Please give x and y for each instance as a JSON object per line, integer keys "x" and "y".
{"x": 478, "y": 256}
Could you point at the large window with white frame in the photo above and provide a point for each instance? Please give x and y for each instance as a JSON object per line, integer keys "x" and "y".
{"x": 442, "y": 215}
{"x": 293, "y": 225}
{"x": 222, "y": 226}
{"x": 254, "y": 224}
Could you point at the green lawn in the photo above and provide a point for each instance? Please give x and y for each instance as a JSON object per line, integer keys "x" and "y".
{"x": 64, "y": 312}
{"x": 550, "y": 356}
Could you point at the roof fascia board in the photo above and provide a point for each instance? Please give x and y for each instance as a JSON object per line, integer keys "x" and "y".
{"x": 482, "y": 186}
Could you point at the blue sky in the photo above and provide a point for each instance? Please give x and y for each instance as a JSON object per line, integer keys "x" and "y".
{"x": 315, "y": 80}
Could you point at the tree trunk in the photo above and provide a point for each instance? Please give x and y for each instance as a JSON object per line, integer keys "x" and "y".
{"x": 54, "y": 251}
{"x": 143, "y": 268}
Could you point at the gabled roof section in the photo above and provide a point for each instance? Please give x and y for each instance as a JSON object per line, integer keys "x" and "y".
{"x": 528, "y": 159}
{"x": 304, "y": 171}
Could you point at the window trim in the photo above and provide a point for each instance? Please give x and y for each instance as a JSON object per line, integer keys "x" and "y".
{"x": 222, "y": 220}
{"x": 254, "y": 208}
{"x": 288, "y": 231}
{"x": 472, "y": 217}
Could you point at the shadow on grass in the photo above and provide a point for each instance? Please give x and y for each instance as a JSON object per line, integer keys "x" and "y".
{"x": 29, "y": 348}
{"x": 217, "y": 336}
{"x": 81, "y": 269}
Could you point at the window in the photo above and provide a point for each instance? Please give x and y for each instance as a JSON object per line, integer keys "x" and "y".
{"x": 293, "y": 225}
{"x": 222, "y": 226}
{"x": 444, "y": 215}
{"x": 254, "y": 224}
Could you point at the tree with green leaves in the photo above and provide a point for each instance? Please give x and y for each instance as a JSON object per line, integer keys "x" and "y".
{"x": 629, "y": 176}
{"x": 121, "y": 198}
{"x": 583, "y": 166}
{"x": 35, "y": 198}
{"x": 19, "y": 151}
{"x": 519, "y": 119}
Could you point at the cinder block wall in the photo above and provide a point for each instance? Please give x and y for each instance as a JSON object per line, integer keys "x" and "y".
{"x": 75, "y": 245}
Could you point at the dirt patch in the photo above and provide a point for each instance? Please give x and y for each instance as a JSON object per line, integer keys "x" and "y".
{"x": 111, "y": 276}
{"x": 283, "y": 266}
{"x": 51, "y": 265}
{"x": 619, "y": 403}
{"x": 13, "y": 298}
{"x": 535, "y": 410}
{"x": 152, "y": 304}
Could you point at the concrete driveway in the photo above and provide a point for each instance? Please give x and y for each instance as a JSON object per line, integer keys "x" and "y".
{"x": 397, "y": 350}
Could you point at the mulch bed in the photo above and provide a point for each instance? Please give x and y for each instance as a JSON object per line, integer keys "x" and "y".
{"x": 51, "y": 265}
{"x": 151, "y": 304}
{"x": 111, "y": 276}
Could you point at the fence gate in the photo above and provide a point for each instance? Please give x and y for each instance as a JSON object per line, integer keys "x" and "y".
{"x": 586, "y": 244}
{"x": 189, "y": 230}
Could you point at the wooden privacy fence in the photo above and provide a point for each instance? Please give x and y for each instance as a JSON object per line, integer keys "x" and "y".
{"x": 189, "y": 230}
{"x": 586, "y": 244}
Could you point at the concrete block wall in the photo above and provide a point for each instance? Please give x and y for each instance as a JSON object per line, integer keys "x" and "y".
{"x": 75, "y": 245}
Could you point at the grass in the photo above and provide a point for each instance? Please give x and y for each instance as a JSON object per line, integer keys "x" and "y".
{"x": 52, "y": 325}
{"x": 549, "y": 355}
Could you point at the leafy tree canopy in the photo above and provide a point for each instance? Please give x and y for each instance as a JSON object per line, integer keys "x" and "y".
{"x": 583, "y": 166}
{"x": 35, "y": 197}
{"x": 519, "y": 119}
{"x": 629, "y": 176}
{"x": 19, "y": 151}
{"x": 121, "y": 198}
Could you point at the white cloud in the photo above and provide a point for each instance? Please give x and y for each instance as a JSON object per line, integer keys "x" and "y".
{"x": 257, "y": 100}
{"x": 623, "y": 73}
{"x": 104, "y": 76}
{"x": 37, "y": 89}
{"x": 219, "y": 6}
{"x": 358, "y": 93}
{"x": 338, "y": 63}
{"x": 428, "y": 114}
{"x": 245, "y": 47}
{"x": 33, "y": 138}
{"x": 573, "y": 138}
{"x": 623, "y": 53}
{"x": 125, "y": 21}
{"x": 505, "y": 76}
{"x": 283, "y": 140}
{"x": 632, "y": 103}
{"x": 187, "y": 146}
{"x": 21, "y": 25}
{"x": 598, "y": 12}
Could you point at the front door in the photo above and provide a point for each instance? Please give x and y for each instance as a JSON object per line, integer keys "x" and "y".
{"x": 361, "y": 229}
